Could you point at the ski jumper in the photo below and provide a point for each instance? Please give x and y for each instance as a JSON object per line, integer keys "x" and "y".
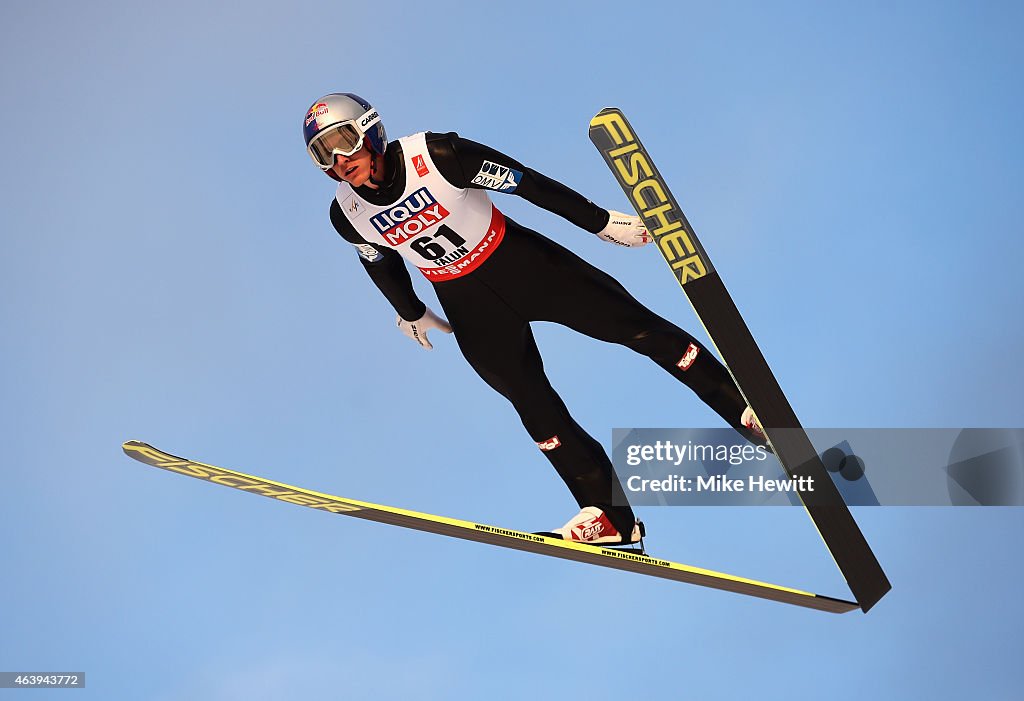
{"x": 493, "y": 277}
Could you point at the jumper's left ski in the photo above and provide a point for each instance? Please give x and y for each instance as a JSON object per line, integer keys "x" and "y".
{"x": 467, "y": 530}
{"x": 675, "y": 239}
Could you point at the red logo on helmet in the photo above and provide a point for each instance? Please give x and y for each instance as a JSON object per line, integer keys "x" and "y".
{"x": 317, "y": 110}
{"x": 421, "y": 167}
{"x": 688, "y": 357}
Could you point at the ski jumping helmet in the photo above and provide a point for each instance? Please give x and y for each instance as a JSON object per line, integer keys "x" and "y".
{"x": 338, "y": 124}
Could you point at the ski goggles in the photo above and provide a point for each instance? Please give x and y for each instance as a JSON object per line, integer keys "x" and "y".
{"x": 340, "y": 139}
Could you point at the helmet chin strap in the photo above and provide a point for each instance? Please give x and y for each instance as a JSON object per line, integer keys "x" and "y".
{"x": 375, "y": 171}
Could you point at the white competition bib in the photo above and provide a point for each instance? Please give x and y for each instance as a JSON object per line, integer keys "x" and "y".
{"x": 443, "y": 230}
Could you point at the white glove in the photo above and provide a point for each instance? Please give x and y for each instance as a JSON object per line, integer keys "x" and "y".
{"x": 417, "y": 330}
{"x": 625, "y": 230}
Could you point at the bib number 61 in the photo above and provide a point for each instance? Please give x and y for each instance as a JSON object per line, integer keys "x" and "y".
{"x": 429, "y": 248}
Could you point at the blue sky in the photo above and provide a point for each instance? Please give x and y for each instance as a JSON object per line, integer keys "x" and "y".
{"x": 169, "y": 274}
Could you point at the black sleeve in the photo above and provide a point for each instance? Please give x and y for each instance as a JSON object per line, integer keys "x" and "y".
{"x": 385, "y": 267}
{"x": 467, "y": 164}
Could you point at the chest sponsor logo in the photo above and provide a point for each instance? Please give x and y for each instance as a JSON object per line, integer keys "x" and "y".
{"x": 420, "y": 166}
{"x": 410, "y": 217}
{"x": 686, "y": 362}
{"x": 497, "y": 177}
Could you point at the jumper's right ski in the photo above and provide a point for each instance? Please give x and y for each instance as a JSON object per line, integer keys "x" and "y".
{"x": 503, "y": 537}
{"x": 678, "y": 244}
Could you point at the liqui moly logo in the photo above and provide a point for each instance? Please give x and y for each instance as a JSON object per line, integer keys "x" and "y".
{"x": 688, "y": 357}
{"x": 410, "y": 217}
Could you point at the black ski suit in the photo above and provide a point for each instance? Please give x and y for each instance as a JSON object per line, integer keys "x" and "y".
{"x": 531, "y": 278}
